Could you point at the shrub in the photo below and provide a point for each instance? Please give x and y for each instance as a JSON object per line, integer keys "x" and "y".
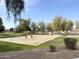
{"x": 52, "y": 48}
{"x": 70, "y": 43}
{"x": 11, "y": 29}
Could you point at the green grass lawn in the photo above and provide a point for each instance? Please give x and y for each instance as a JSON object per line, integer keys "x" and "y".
{"x": 56, "y": 42}
{"x": 6, "y": 46}
{"x": 10, "y": 34}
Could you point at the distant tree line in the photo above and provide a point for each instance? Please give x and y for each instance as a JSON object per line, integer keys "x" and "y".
{"x": 27, "y": 25}
{"x": 58, "y": 24}
{"x": 61, "y": 24}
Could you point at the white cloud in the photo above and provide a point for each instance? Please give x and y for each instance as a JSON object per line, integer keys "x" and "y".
{"x": 31, "y": 3}
{"x": 2, "y": 3}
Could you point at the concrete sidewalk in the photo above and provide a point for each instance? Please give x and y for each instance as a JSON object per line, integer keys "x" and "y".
{"x": 35, "y": 41}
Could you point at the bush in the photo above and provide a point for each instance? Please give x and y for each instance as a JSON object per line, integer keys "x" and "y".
{"x": 70, "y": 43}
{"x": 11, "y": 29}
{"x": 52, "y": 48}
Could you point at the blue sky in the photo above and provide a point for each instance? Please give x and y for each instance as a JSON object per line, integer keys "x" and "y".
{"x": 44, "y": 10}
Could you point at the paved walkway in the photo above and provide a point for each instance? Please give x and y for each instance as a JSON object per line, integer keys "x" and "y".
{"x": 36, "y": 40}
{"x": 72, "y": 36}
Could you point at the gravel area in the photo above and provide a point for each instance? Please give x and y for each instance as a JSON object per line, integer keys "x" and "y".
{"x": 41, "y": 54}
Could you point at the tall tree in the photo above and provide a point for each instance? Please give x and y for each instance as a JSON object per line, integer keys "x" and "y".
{"x": 14, "y": 7}
{"x": 49, "y": 27}
{"x": 57, "y": 23}
{"x": 24, "y": 24}
{"x": 66, "y": 25}
{"x": 2, "y": 28}
{"x": 63, "y": 25}
{"x": 41, "y": 26}
{"x": 34, "y": 26}
{"x": 77, "y": 25}
{"x": 69, "y": 25}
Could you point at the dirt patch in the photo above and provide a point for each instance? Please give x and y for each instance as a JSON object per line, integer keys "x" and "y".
{"x": 61, "y": 53}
